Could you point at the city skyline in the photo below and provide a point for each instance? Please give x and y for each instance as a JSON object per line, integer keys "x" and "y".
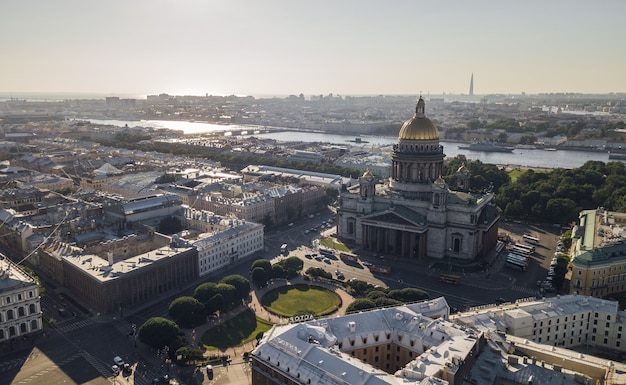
{"x": 279, "y": 47}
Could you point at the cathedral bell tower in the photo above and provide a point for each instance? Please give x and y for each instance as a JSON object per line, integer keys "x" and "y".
{"x": 367, "y": 190}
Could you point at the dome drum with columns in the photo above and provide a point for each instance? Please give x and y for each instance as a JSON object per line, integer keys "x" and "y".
{"x": 417, "y": 159}
{"x": 415, "y": 214}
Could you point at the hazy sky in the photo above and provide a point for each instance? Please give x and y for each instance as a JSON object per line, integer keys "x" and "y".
{"x": 280, "y": 47}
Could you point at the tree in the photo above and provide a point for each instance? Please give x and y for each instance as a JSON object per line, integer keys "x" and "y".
{"x": 360, "y": 304}
{"x": 215, "y": 303}
{"x": 359, "y": 287}
{"x": 561, "y": 210}
{"x": 262, "y": 263}
{"x": 375, "y": 294}
{"x": 205, "y": 291}
{"x": 187, "y": 311}
{"x": 318, "y": 272}
{"x": 473, "y": 124}
{"x": 291, "y": 267}
{"x": 278, "y": 271}
{"x": 260, "y": 276}
{"x": 408, "y": 294}
{"x": 240, "y": 283}
{"x": 386, "y": 302}
{"x": 231, "y": 297}
{"x": 158, "y": 332}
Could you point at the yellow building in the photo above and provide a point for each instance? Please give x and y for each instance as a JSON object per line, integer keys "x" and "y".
{"x": 599, "y": 257}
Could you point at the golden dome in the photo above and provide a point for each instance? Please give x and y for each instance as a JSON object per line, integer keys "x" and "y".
{"x": 419, "y": 127}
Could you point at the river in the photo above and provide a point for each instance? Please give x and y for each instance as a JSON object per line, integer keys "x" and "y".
{"x": 537, "y": 158}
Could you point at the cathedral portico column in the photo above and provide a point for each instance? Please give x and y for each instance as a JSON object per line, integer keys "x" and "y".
{"x": 405, "y": 244}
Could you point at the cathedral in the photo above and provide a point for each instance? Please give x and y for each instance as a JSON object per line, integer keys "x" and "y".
{"x": 415, "y": 213}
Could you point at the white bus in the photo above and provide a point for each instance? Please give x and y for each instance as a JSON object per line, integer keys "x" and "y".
{"x": 515, "y": 264}
{"x": 519, "y": 251}
{"x": 518, "y": 258}
{"x": 326, "y": 252}
{"x": 530, "y": 239}
{"x": 530, "y": 248}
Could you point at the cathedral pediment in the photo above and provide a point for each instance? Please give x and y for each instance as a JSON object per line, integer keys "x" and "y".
{"x": 398, "y": 215}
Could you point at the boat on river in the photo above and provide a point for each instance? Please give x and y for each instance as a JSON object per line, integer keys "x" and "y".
{"x": 617, "y": 155}
{"x": 487, "y": 147}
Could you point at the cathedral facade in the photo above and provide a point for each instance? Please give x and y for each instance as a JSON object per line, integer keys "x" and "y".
{"x": 415, "y": 213}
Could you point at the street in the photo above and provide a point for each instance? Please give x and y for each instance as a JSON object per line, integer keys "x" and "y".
{"x": 81, "y": 349}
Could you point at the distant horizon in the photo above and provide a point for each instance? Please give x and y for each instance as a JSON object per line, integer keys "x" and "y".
{"x": 44, "y": 95}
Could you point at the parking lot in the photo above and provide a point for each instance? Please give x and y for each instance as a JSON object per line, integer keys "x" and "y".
{"x": 541, "y": 260}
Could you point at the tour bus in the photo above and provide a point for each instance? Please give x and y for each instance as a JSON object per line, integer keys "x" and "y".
{"x": 327, "y": 252}
{"x": 348, "y": 257}
{"x": 515, "y": 264}
{"x": 450, "y": 278}
{"x": 518, "y": 257}
{"x": 530, "y": 248}
{"x": 519, "y": 251}
{"x": 530, "y": 239}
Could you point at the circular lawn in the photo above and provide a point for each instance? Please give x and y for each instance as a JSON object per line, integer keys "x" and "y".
{"x": 293, "y": 300}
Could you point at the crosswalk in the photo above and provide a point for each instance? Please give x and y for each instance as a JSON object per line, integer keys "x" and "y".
{"x": 10, "y": 364}
{"x": 75, "y": 326}
{"x": 524, "y": 290}
{"x": 105, "y": 371}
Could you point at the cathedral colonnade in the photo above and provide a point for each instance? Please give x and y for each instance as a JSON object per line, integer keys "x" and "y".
{"x": 416, "y": 173}
{"x": 396, "y": 242}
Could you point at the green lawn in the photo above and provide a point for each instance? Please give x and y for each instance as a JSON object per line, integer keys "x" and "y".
{"x": 514, "y": 174}
{"x": 236, "y": 331}
{"x": 294, "y": 300}
{"x": 332, "y": 243}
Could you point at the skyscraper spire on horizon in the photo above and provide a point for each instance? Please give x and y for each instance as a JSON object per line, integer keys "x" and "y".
{"x": 471, "y": 93}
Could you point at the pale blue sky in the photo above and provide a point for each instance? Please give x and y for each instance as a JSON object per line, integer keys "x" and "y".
{"x": 280, "y": 47}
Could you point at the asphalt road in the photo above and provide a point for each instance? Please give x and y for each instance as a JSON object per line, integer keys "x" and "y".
{"x": 81, "y": 350}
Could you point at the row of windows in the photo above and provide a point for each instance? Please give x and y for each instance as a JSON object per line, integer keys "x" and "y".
{"x": 603, "y": 271}
{"x": 21, "y": 312}
{"x": 12, "y": 331}
{"x": 214, "y": 254}
{"x": 17, "y": 297}
{"x": 376, "y": 338}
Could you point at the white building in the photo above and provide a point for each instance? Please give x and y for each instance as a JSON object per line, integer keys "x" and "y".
{"x": 20, "y": 310}
{"x": 222, "y": 241}
{"x": 569, "y": 321}
{"x": 416, "y": 345}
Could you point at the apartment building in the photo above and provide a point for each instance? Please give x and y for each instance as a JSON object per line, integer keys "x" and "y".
{"x": 599, "y": 254}
{"x": 20, "y": 309}
{"x": 422, "y": 344}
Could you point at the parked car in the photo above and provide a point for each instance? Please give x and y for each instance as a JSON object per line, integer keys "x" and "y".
{"x": 118, "y": 361}
{"x": 115, "y": 369}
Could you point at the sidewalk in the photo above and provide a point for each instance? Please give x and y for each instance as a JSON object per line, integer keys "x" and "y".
{"x": 236, "y": 352}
